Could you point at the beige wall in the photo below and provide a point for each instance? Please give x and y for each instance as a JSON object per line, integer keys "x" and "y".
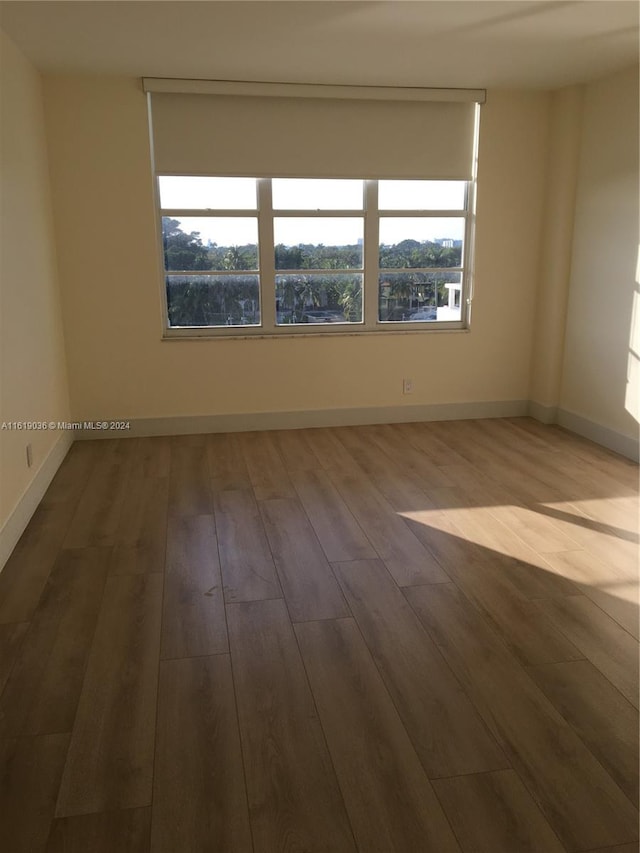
{"x": 563, "y": 155}
{"x": 598, "y": 362}
{"x": 120, "y": 368}
{"x": 33, "y": 383}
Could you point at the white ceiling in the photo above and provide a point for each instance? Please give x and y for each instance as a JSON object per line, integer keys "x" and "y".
{"x": 456, "y": 43}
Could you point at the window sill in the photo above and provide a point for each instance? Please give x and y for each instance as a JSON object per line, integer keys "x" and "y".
{"x": 171, "y": 336}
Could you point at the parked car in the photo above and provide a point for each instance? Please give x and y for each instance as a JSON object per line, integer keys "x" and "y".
{"x": 426, "y": 313}
{"x": 323, "y": 315}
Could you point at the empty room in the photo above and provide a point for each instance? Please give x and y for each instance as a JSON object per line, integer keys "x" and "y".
{"x": 319, "y": 405}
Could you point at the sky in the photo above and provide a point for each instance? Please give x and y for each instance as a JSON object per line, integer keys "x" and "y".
{"x": 205, "y": 193}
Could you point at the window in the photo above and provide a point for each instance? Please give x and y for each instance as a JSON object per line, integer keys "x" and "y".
{"x": 210, "y": 248}
{"x": 288, "y": 255}
{"x": 291, "y": 208}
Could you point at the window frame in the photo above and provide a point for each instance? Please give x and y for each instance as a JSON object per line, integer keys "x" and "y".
{"x": 370, "y": 271}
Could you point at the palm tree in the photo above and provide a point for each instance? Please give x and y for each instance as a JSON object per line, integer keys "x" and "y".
{"x": 306, "y": 293}
{"x": 233, "y": 259}
{"x": 286, "y": 291}
{"x": 350, "y": 300}
{"x": 192, "y": 302}
{"x": 402, "y": 290}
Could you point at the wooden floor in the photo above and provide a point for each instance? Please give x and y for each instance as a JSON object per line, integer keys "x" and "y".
{"x": 386, "y": 639}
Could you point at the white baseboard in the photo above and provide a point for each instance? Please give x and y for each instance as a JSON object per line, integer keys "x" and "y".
{"x": 623, "y": 444}
{"x": 544, "y": 414}
{"x": 14, "y": 526}
{"x": 314, "y": 418}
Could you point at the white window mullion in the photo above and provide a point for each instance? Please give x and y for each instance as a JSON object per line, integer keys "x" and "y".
{"x": 318, "y": 214}
{"x": 266, "y": 255}
{"x": 160, "y": 256}
{"x": 371, "y": 255}
{"x": 468, "y": 283}
{"x": 212, "y": 213}
{"x": 422, "y": 214}
{"x": 469, "y": 251}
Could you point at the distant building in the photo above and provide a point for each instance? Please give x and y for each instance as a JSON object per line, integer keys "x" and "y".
{"x": 453, "y": 309}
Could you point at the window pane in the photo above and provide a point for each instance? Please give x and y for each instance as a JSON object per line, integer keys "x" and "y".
{"x": 421, "y": 195}
{"x": 416, "y": 297}
{"x": 317, "y": 194}
{"x": 210, "y": 300}
{"x": 318, "y": 298}
{"x": 318, "y": 243}
{"x": 190, "y": 193}
{"x": 424, "y": 241}
{"x": 210, "y": 243}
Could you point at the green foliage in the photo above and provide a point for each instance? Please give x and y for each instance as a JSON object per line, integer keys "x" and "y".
{"x": 302, "y": 297}
{"x": 183, "y": 251}
{"x": 350, "y": 300}
{"x": 410, "y": 254}
{"x": 213, "y": 301}
{"x": 307, "y": 256}
{"x": 299, "y": 298}
{"x": 404, "y": 292}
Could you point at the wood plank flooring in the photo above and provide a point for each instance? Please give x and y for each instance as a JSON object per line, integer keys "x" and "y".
{"x": 411, "y": 638}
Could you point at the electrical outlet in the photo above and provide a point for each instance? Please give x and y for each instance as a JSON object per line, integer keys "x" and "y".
{"x": 407, "y": 386}
{"x": 29, "y": 456}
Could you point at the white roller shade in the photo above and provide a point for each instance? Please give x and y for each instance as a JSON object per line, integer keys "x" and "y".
{"x": 321, "y": 135}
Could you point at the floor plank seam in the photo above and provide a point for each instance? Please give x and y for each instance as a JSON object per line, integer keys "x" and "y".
{"x": 502, "y": 471}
